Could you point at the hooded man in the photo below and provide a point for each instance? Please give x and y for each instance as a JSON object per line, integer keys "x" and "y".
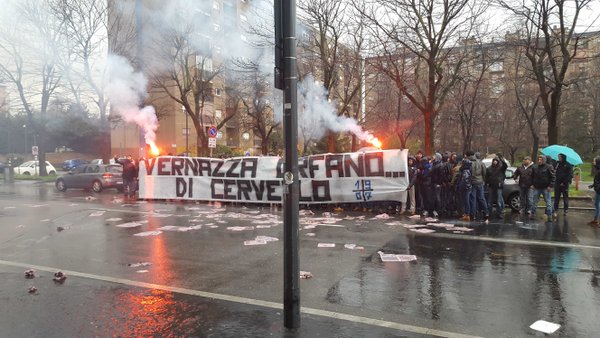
{"x": 494, "y": 180}
{"x": 478, "y": 178}
{"x": 564, "y": 176}
{"x": 543, "y": 181}
{"x": 524, "y": 175}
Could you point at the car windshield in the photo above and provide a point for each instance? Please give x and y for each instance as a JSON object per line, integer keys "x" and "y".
{"x": 27, "y": 164}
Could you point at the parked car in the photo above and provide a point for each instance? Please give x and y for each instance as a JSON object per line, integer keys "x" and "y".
{"x": 100, "y": 161}
{"x": 32, "y": 168}
{"x": 74, "y": 163}
{"x": 96, "y": 177}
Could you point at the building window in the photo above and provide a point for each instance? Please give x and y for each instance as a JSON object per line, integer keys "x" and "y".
{"x": 217, "y": 27}
{"x": 243, "y": 17}
{"x": 216, "y": 5}
{"x": 218, "y": 113}
{"x": 185, "y": 131}
{"x": 217, "y": 91}
{"x": 245, "y": 136}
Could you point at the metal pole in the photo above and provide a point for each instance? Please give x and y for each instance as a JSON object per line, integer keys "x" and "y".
{"x": 291, "y": 266}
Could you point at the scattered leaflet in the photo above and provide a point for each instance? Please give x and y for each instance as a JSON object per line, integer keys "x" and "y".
{"x": 382, "y": 216}
{"x": 396, "y": 258}
{"x": 326, "y": 245}
{"x": 129, "y": 225}
{"x": 148, "y": 233}
{"x": 423, "y": 231}
{"x": 254, "y": 242}
{"x": 240, "y": 228}
{"x": 545, "y": 327}
{"x": 353, "y": 247}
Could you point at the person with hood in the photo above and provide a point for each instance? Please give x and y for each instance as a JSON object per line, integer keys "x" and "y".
{"x": 596, "y": 186}
{"x": 437, "y": 180}
{"x": 478, "y": 178}
{"x": 523, "y": 175}
{"x": 448, "y": 193}
{"x": 418, "y": 183}
{"x": 464, "y": 186}
{"x": 129, "y": 175}
{"x": 564, "y": 177}
{"x": 410, "y": 207}
{"x": 494, "y": 179}
{"x": 543, "y": 180}
{"x": 426, "y": 186}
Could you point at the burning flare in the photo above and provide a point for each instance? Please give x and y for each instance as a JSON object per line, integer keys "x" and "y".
{"x": 154, "y": 149}
{"x": 375, "y": 142}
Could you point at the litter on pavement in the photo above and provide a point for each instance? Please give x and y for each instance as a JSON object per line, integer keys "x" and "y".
{"x": 326, "y": 245}
{"x": 148, "y": 233}
{"x": 129, "y": 225}
{"x": 423, "y": 231}
{"x": 545, "y": 327}
{"x": 353, "y": 247}
{"x": 32, "y": 289}
{"x": 114, "y": 219}
{"x": 137, "y": 265}
{"x": 97, "y": 214}
{"x": 396, "y": 258}
{"x": 254, "y": 242}
{"x": 248, "y": 228}
{"x": 305, "y": 275}
{"x": 29, "y": 274}
{"x": 59, "y": 277}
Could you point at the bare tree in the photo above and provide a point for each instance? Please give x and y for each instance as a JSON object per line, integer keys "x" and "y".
{"x": 33, "y": 68}
{"x": 255, "y": 88}
{"x": 550, "y": 44}
{"x": 186, "y": 75}
{"x": 423, "y": 32}
{"x": 333, "y": 61}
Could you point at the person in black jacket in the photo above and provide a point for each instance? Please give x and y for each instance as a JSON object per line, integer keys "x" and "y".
{"x": 543, "y": 181}
{"x": 564, "y": 176}
{"x": 129, "y": 175}
{"x": 494, "y": 179}
{"x": 524, "y": 175}
{"x": 596, "y": 187}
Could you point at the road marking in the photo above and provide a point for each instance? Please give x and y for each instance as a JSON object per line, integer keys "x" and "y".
{"x": 510, "y": 241}
{"x": 248, "y": 301}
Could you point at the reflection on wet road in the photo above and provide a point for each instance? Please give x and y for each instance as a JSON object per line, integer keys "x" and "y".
{"x": 472, "y": 278}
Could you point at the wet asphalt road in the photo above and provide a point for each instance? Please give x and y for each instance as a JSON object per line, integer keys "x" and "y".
{"x": 197, "y": 278}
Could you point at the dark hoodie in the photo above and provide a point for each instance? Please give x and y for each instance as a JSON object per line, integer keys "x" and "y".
{"x": 596, "y": 184}
{"x": 494, "y": 176}
{"x": 543, "y": 175}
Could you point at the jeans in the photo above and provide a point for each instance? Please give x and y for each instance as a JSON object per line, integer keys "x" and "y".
{"x": 547, "y": 199}
{"x": 597, "y": 206}
{"x": 478, "y": 202}
{"x": 564, "y": 191}
{"x": 465, "y": 195}
{"x": 525, "y": 199}
{"x": 495, "y": 196}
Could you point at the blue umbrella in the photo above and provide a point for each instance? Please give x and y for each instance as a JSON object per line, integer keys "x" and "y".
{"x": 555, "y": 149}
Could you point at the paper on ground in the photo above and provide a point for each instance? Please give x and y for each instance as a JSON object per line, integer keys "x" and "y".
{"x": 311, "y": 234}
{"x": 382, "y": 216}
{"x": 396, "y": 258}
{"x": 353, "y": 247}
{"x": 240, "y": 228}
{"x": 544, "y": 326}
{"x": 414, "y": 226}
{"x": 97, "y": 214}
{"x": 414, "y": 216}
{"x": 266, "y": 238}
{"x": 114, "y": 219}
{"x": 326, "y": 245}
{"x": 129, "y": 225}
{"x": 254, "y": 242}
{"x": 423, "y": 231}
{"x": 148, "y": 233}
{"x": 136, "y": 265}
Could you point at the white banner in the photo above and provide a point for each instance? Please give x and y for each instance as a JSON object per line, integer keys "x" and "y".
{"x": 326, "y": 178}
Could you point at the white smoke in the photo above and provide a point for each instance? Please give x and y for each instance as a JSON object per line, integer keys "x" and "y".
{"x": 126, "y": 89}
{"x": 316, "y": 112}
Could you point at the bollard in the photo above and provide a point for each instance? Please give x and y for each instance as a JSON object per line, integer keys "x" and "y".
{"x": 8, "y": 172}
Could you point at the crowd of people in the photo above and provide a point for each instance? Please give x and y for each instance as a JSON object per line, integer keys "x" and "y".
{"x": 451, "y": 186}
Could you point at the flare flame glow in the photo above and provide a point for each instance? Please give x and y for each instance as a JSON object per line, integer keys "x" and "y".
{"x": 154, "y": 149}
{"x": 375, "y": 142}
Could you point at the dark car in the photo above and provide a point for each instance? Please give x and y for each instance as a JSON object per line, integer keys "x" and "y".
{"x": 96, "y": 177}
{"x": 74, "y": 163}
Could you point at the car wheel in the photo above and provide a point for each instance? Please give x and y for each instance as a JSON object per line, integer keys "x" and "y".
{"x": 97, "y": 186}
{"x": 60, "y": 185}
{"x": 52, "y": 173}
{"x": 514, "y": 201}
{"x": 26, "y": 173}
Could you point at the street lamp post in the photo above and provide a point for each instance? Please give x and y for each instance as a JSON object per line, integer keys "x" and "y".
{"x": 25, "y": 133}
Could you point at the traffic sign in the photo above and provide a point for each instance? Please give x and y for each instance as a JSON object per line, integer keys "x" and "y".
{"x": 34, "y": 150}
{"x": 213, "y": 131}
{"x": 212, "y": 142}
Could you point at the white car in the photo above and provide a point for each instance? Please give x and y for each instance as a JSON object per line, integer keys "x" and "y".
{"x": 32, "y": 168}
